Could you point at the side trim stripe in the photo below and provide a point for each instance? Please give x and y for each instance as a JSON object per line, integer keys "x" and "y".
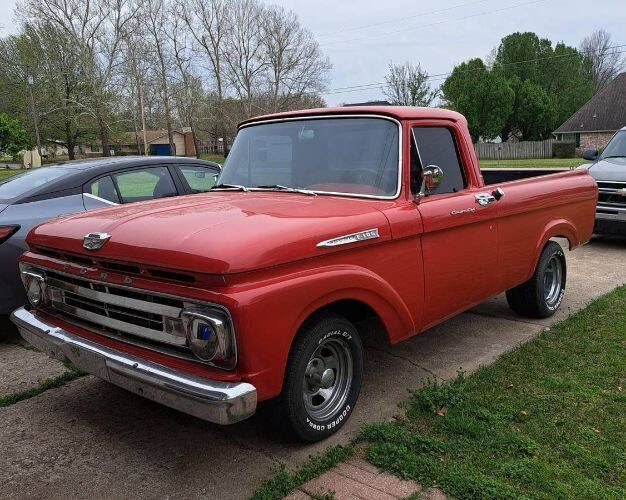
{"x": 368, "y": 234}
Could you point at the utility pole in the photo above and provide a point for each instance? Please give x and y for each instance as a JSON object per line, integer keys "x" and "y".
{"x": 31, "y": 81}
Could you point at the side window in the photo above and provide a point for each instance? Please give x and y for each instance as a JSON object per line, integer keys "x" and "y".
{"x": 436, "y": 146}
{"x": 199, "y": 179}
{"x": 103, "y": 188}
{"x": 145, "y": 184}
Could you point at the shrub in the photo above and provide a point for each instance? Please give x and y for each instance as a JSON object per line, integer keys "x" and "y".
{"x": 563, "y": 149}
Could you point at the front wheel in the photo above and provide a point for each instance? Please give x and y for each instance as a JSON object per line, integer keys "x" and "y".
{"x": 542, "y": 294}
{"x": 323, "y": 377}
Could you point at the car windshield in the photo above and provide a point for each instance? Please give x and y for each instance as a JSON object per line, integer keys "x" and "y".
{"x": 616, "y": 147}
{"x": 354, "y": 156}
{"x": 23, "y": 183}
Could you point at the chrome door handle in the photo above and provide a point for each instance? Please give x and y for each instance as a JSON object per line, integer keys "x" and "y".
{"x": 484, "y": 198}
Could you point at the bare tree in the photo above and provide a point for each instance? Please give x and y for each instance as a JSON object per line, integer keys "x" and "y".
{"x": 137, "y": 66}
{"x": 207, "y": 21}
{"x": 155, "y": 13}
{"x": 606, "y": 61}
{"x": 296, "y": 65}
{"x": 407, "y": 85}
{"x": 189, "y": 86}
{"x": 204, "y": 64}
{"x": 245, "y": 58}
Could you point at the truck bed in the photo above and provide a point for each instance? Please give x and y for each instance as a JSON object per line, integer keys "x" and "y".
{"x": 500, "y": 175}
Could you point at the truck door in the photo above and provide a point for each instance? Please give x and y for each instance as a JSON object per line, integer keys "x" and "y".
{"x": 460, "y": 238}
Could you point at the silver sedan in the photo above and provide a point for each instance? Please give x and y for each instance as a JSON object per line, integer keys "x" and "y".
{"x": 37, "y": 195}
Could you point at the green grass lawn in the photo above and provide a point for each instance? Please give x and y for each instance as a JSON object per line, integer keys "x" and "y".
{"x": 5, "y": 174}
{"x": 533, "y": 163}
{"x": 215, "y": 158}
{"x": 547, "y": 420}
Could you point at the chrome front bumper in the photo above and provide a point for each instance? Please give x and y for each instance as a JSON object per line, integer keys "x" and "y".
{"x": 610, "y": 212}
{"x": 214, "y": 401}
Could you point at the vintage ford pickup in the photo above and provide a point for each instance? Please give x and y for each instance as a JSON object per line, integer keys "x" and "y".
{"x": 211, "y": 303}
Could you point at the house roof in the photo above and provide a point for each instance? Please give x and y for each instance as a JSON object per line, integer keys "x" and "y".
{"x": 605, "y": 111}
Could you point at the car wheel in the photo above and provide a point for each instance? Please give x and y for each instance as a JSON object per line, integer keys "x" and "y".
{"x": 542, "y": 294}
{"x": 323, "y": 377}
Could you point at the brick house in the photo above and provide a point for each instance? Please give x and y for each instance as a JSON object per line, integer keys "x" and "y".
{"x": 598, "y": 119}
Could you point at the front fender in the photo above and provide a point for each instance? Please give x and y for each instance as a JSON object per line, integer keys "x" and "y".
{"x": 271, "y": 312}
{"x": 365, "y": 286}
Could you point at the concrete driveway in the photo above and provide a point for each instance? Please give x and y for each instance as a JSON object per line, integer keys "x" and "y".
{"x": 89, "y": 438}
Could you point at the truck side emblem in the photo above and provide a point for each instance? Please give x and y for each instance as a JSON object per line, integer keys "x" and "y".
{"x": 368, "y": 234}
{"x": 94, "y": 241}
{"x": 464, "y": 211}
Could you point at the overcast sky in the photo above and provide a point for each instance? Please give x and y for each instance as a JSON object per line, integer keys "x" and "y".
{"x": 361, "y": 38}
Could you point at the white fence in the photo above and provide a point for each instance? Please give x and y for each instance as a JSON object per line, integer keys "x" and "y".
{"x": 514, "y": 150}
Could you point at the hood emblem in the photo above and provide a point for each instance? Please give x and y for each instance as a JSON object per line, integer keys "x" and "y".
{"x": 622, "y": 192}
{"x": 94, "y": 241}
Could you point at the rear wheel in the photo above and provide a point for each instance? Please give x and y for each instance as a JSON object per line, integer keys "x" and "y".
{"x": 542, "y": 294}
{"x": 323, "y": 377}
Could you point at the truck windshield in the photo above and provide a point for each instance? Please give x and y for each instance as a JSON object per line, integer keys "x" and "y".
{"x": 355, "y": 156}
{"x": 616, "y": 148}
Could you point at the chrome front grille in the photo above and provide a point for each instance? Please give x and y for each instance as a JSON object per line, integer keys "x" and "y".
{"x": 128, "y": 313}
{"x": 612, "y": 194}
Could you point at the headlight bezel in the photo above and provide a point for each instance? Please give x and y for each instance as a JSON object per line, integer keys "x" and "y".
{"x": 224, "y": 344}
{"x": 30, "y": 275}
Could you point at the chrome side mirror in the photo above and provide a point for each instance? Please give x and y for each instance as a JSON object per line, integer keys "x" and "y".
{"x": 432, "y": 176}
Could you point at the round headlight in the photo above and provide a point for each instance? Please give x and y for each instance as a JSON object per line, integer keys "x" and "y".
{"x": 34, "y": 291}
{"x": 202, "y": 339}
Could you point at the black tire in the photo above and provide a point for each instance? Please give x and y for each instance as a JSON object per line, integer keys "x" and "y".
{"x": 320, "y": 339}
{"x": 542, "y": 294}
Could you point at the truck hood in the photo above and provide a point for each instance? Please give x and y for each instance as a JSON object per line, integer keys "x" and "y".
{"x": 3, "y": 206}
{"x": 219, "y": 232}
{"x": 610, "y": 170}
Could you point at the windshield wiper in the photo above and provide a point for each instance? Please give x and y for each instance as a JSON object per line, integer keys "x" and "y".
{"x": 238, "y": 187}
{"x": 612, "y": 156}
{"x": 287, "y": 189}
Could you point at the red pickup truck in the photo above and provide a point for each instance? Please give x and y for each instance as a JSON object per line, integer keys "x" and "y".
{"x": 211, "y": 303}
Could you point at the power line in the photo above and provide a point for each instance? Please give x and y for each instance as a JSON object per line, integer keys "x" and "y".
{"x": 440, "y": 76}
{"x": 437, "y": 23}
{"x": 398, "y": 19}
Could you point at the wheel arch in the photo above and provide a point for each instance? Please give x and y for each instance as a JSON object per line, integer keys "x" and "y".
{"x": 559, "y": 228}
{"x": 356, "y": 303}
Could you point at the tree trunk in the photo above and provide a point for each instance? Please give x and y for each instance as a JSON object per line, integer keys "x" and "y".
{"x": 143, "y": 121}
{"x": 104, "y": 133}
{"x": 69, "y": 137}
{"x": 166, "y": 99}
{"x": 71, "y": 144}
{"x": 194, "y": 137}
